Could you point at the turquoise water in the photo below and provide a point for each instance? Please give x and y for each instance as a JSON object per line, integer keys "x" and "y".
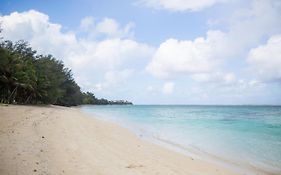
{"x": 249, "y": 135}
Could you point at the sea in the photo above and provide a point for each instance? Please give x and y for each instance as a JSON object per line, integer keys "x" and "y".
{"x": 243, "y": 136}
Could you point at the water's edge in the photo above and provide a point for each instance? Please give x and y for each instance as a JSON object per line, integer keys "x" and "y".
{"x": 193, "y": 152}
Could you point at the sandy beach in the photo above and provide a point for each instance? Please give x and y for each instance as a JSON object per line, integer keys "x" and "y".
{"x": 57, "y": 140}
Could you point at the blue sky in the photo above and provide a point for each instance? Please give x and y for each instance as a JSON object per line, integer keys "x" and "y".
{"x": 159, "y": 51}
{"x": 69, "y": 14}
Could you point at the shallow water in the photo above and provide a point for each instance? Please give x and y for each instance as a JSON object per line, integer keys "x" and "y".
{"x": 250, "y": 135}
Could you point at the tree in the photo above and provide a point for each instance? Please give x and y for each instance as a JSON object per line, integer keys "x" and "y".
{"x": 27, "y": 78}
{"x": 17, "y": 74}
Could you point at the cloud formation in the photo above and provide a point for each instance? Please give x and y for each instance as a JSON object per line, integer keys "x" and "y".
{"x": 223, "y": 78}
{"x": 199, "y": 56}
{"x": 265, "y": 60}
{"x": 86, "y": 56}
{"x": 204, "y": 58}
{"x": 114, "y": 79}
{"x": 106, "y": 28}
{"x": 168, "y": 88}
{"x": 180, "y": 5}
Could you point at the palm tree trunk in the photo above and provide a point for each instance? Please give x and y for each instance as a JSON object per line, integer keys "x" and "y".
{"x": 27, "y": 99}
{"x": 13, "y": 92}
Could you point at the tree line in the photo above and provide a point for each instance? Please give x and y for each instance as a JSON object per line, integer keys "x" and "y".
{"x": 28, "y": 78}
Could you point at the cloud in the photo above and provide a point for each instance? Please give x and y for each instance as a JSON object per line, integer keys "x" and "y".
{"x": 168, "y": 88}
{"x": 180, "y": 5}
{"x": 107, "y": 27}
{"x": 150, "y": 88}
{"x": 109, "y": 54}
{"x": 87, "y": 23}
{"x": 217, "y": 77}
{"x": 111, "y": 28}
{"x": 87, "y": 57}
{"x": 35, "y": 27}
{"x": 204, "y": 58}
{"x": 249, "y": 26}
{"x": 265, "y": 60}
{"x": 114, "y": 79}
{"x": 199, "y": 56}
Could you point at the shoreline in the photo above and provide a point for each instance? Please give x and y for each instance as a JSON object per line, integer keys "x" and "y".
{"x": 235, "y": 165}
{"x": 241, "y": 168}
{"x": 60, "y": 140}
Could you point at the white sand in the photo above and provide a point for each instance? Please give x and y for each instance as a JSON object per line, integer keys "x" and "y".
{"x": 56, "y": 140}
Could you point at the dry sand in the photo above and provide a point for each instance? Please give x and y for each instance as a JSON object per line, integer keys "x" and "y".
{"x": 57, "y": 140}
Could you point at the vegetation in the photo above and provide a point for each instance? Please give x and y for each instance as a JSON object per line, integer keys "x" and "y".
{"x": 27, "y": 78}
{"x": 89, "y": 98}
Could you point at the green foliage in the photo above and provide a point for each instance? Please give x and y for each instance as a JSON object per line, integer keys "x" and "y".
{"x": 27, "y": 78}
{"x": 17, "y": 73}
{"x": 89, "y": 98}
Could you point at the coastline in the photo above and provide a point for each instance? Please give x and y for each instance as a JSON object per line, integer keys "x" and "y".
{"x": 60, "y": 140}
{"x": 189, "y": 151}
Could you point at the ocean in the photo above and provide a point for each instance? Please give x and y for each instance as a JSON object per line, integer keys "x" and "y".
{"x": 243, "y": 135}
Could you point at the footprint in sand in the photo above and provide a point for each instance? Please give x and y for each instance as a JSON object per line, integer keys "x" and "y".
{"x": 132, "y": 166}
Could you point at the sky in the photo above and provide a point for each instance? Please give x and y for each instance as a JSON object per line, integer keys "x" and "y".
{"x": 159, "y": 51}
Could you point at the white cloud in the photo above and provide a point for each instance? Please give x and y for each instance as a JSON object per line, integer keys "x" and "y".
{"x": 265, "y": 60}
{"x": 150, "y": 88}
{"x": 168, "y": 88}
{"x": 250, "y": 26}
{"x": 198, "y": 56}
{"x": 113, "y": 79}
{"x": 35, "y": 27}
{"x": 203, "y": 57}
{"x": 87, "y": 23}
{"x": 109, "y": 54}
{"x": 180, "y": 5}
{"x": 254, "y": 83}
{"x": 86, "y": 56}
{"x": 217, "y": 77}
{"x": 111, "y": 28}
{"x": 107, "y": 27}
